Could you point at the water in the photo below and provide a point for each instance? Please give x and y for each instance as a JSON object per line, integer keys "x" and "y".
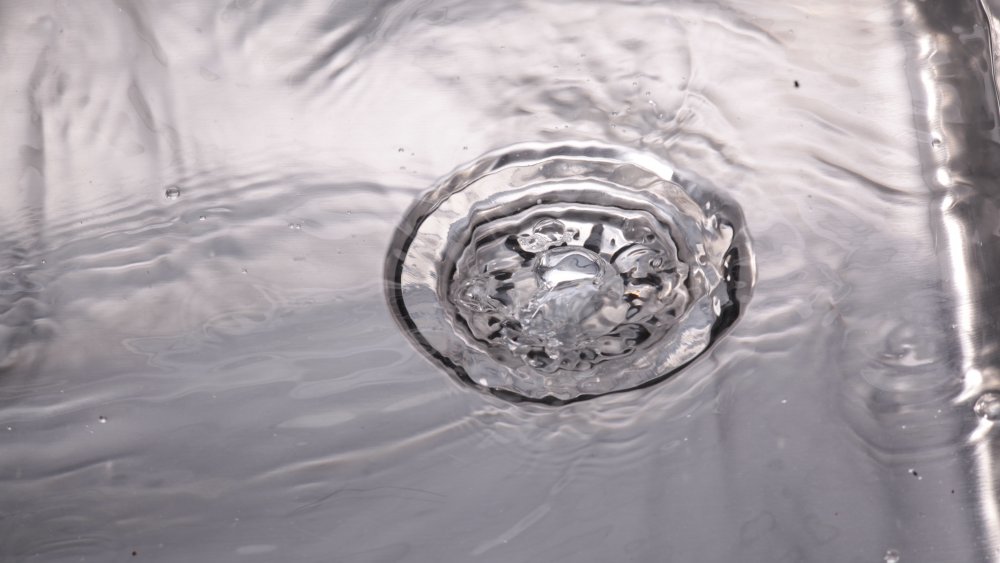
{"x": 198, "y": 361}
{"x": 988, "y": 406}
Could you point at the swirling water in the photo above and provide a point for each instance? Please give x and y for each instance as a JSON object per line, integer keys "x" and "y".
{"x": 562, "y": 272}
{"x": 198, "y": 363}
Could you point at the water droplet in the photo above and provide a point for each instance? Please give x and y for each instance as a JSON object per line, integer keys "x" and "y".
{"x": 173, "y": 192}
{"x": 988, "y": 406}
{"x": 586, "y": 291}
{"x": 891, "y": 556}
{"x": 102, "y": 419}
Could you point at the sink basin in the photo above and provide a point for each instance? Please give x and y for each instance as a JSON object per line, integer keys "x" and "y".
{"x": 203, "y": 356}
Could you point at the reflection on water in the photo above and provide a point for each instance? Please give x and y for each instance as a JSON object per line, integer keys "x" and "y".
{"x": 197, "y": 361}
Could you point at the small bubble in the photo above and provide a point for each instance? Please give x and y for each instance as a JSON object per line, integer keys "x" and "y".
{"x": 401, "y": 149}
{"x": 173, "y": 192}
{"x": 891, "y": 556}
{"x": 936, "y": 142}
{"x": 243, "y": 271}
{"x": 295, "y": 226}
{"x": 636, "y": 84}
{"x": 465, "y": 148}
{"x": 102, "y": 419}
{"x": 988, "y": 406}
{"x": 201, "y": 217}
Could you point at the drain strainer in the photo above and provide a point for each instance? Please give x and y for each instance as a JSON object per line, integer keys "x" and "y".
{"x": 554, "y": 273}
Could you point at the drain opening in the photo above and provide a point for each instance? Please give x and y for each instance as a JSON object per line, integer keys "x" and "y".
{"x": 556, "y": 273}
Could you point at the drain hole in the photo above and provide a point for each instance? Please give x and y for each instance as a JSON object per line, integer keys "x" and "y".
{"x": 563, "y": 273}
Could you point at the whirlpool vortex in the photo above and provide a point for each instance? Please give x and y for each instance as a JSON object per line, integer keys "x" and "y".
{"x": 560, "y": 272}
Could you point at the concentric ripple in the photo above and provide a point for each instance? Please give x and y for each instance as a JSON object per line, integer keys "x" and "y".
{"x": 554, "y": 273}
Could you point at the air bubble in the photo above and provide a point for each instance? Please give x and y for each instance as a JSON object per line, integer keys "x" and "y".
{"x": 988, "y": 406}
{"x": 544, "y": 235}
{"x": 891, "y": 556}
{"x": 173, "y": 192}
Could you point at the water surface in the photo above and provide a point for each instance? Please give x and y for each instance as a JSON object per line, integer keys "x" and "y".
{"x": 197, "y": 361}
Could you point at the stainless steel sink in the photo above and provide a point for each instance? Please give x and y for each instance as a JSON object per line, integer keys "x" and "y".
{"x": 201, "y": 358}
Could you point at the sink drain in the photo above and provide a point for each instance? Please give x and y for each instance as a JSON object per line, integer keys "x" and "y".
{"x": 555, "y": 273}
